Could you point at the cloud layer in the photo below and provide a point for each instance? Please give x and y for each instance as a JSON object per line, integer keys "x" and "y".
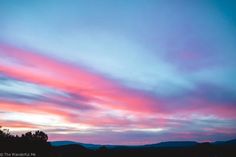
{"x": 123, "y": 76}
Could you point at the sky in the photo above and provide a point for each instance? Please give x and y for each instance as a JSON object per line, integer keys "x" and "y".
{"x": 119, "y": 72}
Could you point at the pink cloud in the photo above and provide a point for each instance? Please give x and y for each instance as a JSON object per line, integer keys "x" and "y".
{"x": 98, "y": 102}
{"x": 70, "y": 78}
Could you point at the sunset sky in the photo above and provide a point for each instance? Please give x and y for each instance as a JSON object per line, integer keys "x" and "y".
{"x": 119, "y": 72}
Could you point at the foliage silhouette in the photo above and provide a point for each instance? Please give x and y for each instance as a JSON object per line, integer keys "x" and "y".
{"x": 32, "y": 144}
{"x": 38, "y": 136}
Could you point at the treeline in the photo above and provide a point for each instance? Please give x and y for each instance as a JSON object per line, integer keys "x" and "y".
{"x": 37, "y": 136}
{"x": 32, "y": 144}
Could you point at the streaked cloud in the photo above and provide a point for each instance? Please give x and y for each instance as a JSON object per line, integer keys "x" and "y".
{"x": 118, "y": 72}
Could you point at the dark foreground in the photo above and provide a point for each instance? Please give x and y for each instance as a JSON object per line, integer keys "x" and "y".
{"x": 35, "y": 145}
{"x": 44, "y": 149}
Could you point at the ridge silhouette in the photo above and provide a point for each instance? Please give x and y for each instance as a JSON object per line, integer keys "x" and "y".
{"x": 35, "y": 144}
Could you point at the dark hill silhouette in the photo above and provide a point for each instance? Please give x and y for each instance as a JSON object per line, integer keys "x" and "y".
{"x": 72, "y": 150}
{"x": 34, "y": 144}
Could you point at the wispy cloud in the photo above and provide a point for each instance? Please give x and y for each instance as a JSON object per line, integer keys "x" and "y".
{"x": 118, "y": 72}
{"x": 83, "y": 102}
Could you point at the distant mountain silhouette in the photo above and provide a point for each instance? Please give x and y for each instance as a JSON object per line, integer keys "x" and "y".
{"x": 168, "y": 144}
{"x": 163, "y": 149}
{"x": 230, "y": 142}
{"x": 174, "y": 144}
{"x": 63, "y": 143}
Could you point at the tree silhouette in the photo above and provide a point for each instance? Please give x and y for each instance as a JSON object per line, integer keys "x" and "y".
{"x": 27, "y": 136}
{"x": 5, "y": 134}
{"x": 35, "y": 142}
{"x": 38, "y": 136}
